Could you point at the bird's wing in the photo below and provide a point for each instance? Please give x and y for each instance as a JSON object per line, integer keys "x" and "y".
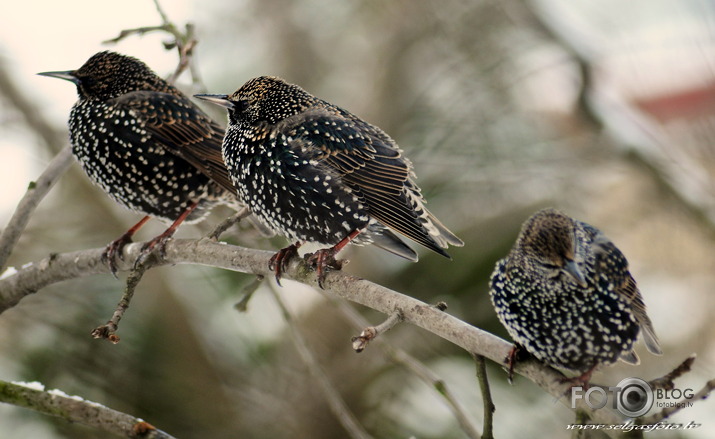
{"x": 611, "y": 259}
{"x": 370, "y": 163}
{"x": 182, "y": 128}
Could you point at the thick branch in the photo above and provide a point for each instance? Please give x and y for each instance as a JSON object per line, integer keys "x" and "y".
{"x": 76, "y": 409}
{"x": 29, "y": 202}
{"x": 66, "y": 266}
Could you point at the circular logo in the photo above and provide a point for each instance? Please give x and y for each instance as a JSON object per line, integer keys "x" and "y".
{"x": 635, "y": 397}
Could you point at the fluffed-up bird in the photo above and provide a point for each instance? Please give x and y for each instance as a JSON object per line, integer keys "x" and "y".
{"x": 565, "y": 294}
{"x": 146, "y": 144}
{"x": 314, "y": 172}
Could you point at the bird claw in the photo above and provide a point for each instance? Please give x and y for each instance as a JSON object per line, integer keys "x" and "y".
{"x": 516, "y": 353}
{"x": 114, "y": 249}
{"x": 279, "y": 262}
{"x": 158, "y": 243}
{"x": 581, "y": 380}
{"x": 322, "y": 260}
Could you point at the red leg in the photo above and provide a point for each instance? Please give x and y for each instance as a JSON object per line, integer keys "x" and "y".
{"x": 581, "y": 380}
{"x": 325, "y": 258}
{"x": 115, "y": 247}
{"x": 279, "y": 262}
{"x": 161, "y": 240}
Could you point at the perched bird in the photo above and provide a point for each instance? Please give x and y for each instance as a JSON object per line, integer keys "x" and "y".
{"x": 314, "y": 172}
{"x": 564, "y": 293}
{"x": 145, "y": 144}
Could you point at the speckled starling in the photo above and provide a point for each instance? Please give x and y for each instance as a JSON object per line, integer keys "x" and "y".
{"x": 565, "y": 294}
{"x": 314, "y": 172}
{"x": 145, "y": 144}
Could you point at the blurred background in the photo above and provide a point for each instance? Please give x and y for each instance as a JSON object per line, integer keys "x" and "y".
{"x": 604, "y": 109}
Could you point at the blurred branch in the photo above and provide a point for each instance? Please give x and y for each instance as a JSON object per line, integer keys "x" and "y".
{"x": 76, "y": 409}
{"x": 336, "y": 403}
{"x": 701, "y": 394}
{"x": 489, "y": 407}
{"x": 605, "y": 109}
{"x": 184, "y": 42}
{"x": 404, "y": 359}
{"x": 36, "y": 191}
{"x": 59, "y": 267}
{"x": 53, "y": 138}
{"x": 667, "y": 381}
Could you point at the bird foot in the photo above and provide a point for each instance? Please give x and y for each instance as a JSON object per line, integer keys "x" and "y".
{"x": 580, "y": 381}
{"x": 157, "y": 243}
{"x": 322, "y": 260}
{"x": 114, "y": 249}
{"x": 517, "y": 353}
{"x": 279, "y": 261}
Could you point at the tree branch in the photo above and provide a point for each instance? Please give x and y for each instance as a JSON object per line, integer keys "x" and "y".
{"x": 489, "y": 407}
{"x": 404, "y": 359}
{"x": 36, "y": 191}
{"x": 76, "y": 409}
{"x": 59, "y": 267}
{"x": 371, "y": 332}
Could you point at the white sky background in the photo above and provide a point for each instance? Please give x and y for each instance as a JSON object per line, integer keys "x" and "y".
{"x": 43, "y": 35}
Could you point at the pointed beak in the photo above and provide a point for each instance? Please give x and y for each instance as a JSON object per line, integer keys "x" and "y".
{"x": 221, "y": 100}
{"x": 571, "y": 268}
{"x": 66, "y": 75}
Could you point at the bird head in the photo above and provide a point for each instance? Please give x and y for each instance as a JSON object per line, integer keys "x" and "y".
{"x": 263, "y": 99}
{"x": 107, "y": 75}
{"x": 548, "y": 241}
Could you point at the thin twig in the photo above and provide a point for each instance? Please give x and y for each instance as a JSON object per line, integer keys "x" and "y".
{"x": 683, "y": 403}
{"x": 247, "y": 293}
{"x": 79, "y": 410}
{"x": 184, "y": 42}
{"x": 108, "y": 330}
{"x": 228, "y": 222}
{"x": 409, "y": 362}
{"x": 335, "y": 401}
{"x": 160, "y": 10}
{"x": 29, "y": 202}
{"x": 667, "y": 381}
{"x": 125, "y": 33}
{"x": 371, "y": 332}
{"x": 489, "y": 407}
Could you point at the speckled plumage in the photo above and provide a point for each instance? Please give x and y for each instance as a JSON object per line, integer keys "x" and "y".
{"x": 566, "y": 295}
{"x": 314, "y": 172}
{"x": 143, "y": 142}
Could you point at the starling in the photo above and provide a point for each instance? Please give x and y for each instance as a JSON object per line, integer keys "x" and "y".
{"x": 145, "y": 144}
{"x": 314, "y": 172}
{"x": 564, "y": 294}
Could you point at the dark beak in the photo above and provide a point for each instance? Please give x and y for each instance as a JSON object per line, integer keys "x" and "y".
{"x": 571, "y": 268}
{"x": 221, "y": 100}
{"x": 67, "y": 75}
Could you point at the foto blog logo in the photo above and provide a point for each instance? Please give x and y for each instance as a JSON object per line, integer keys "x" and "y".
{"x": 632, "y": 397}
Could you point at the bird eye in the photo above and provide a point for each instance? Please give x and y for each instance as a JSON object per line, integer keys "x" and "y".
{"x": 241, "y": 105}
{"x": 550, "y": 266}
